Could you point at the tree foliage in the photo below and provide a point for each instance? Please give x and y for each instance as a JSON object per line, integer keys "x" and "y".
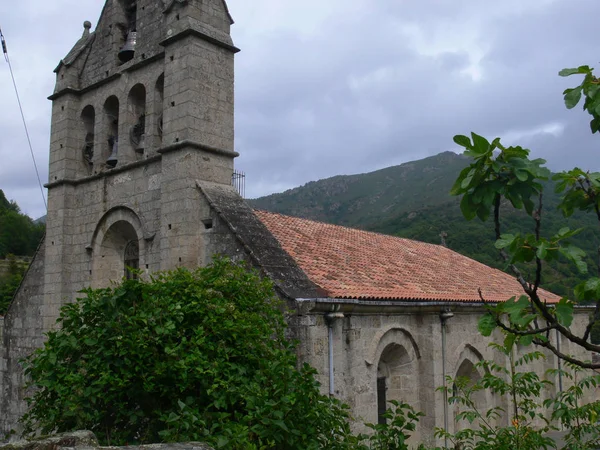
{"x": 10, "y": 281}
{"x": 19, "y": 235}
{"x": 532, "y": 423}
{"x": 501, "y": 176}
{"x": 184, "y": 356}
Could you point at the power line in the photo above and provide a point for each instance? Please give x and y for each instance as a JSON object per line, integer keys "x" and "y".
{"x": 5, "y": 51}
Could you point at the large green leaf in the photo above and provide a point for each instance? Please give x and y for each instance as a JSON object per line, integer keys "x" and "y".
{"x": 564, "y": 312}
{"x": 480, "y": 144}
{"x": 572, "y": 97}
{"x": 467, "y": 207}
{"x": 487, "y": 324}
{"x": 462, "y": 140}
{"x": 516, "y": 310}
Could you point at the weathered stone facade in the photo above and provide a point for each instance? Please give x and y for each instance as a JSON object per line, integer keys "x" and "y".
{"x": 165, "y": 200}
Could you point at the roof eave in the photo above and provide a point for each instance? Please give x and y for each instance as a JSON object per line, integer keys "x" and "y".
{"x": 369, "y": 306}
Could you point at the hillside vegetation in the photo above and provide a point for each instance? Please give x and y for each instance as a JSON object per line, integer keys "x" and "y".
{"x": 413, "y": 201}
{"x": 19, "y": 235}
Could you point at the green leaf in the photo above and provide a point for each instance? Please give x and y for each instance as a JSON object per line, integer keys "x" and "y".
{"x": 462, "y": 140}
{"x": 568, "y": 72}
{"x": 542, "y": 250}
{"x": 572, "y": 97}
{"x": 593, "y": 285}
{"x": 467, "y": 207}
{"x": 457, "y": 187}
{"x": 517, "y": 309}
{"x": 564, "y": 312}
{"x": 486, "y": 324}
{"x": 576, "y": 256}
{"x": 521, "y": 175}
{"x": 480, "y": 144}
{"x": 505, "y": 241}
{"x": 526, "y": 340}
{"x": 579, "y": 70}
{"x": 468, "y": 178}
{"x": 509, "y": 342}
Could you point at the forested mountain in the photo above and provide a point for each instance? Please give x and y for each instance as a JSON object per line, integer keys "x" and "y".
{"x": 19, "y": 238}
{"x": 413, "y": 201}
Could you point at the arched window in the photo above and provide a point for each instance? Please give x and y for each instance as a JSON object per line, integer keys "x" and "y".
{"x": 136, "y": 109}
{"x": 468, "y": 370}
{"x": 88, "y": 122}
{"x": 159, "y": 99}
{"x": 132, "y": 259}
{"x": 111, "y": 121}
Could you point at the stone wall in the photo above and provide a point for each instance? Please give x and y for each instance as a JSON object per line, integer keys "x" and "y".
{"x": 86, "y": 440}
{"x": 404, "y": 344}
{"x": 22, "y": 333}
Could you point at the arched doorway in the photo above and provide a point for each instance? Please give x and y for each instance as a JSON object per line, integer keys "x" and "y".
{"x": 396, "y": 379}
{"x": 471, "y": 375}
{"x": 118, "y": 254}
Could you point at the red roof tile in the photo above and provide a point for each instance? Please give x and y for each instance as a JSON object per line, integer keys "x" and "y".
{"x": 350, "y": 263}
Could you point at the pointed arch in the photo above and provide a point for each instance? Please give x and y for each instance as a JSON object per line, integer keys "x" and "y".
{"x": 467, "y": 351}
{"x": 466, "y": 367}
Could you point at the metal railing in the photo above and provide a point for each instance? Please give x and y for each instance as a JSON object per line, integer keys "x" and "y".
{"x": 238, "y": 181}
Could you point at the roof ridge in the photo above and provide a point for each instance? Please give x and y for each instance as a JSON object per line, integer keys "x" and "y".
{"x": 360, "y": 230}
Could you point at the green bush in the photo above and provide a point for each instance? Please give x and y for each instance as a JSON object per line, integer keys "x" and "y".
{"x": 10, "y": 281}
{"x": 185, "y": 356}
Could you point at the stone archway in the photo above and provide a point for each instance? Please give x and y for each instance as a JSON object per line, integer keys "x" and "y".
{"x": 118, "y": 253}
{"x": 472, "y": 375}
{"x": 394, "y": 359}
{"x": 118, "y": 245}
{"x": 396, "y": 378}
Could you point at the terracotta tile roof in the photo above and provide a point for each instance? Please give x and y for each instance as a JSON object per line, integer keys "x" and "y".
{"x": 350, "y": 263}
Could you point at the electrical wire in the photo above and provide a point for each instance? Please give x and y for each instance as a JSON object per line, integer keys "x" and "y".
{"x": 5, "y": 51}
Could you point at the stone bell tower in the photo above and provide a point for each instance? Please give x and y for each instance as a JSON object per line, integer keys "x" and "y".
{"x": 143, "y": 108}
{"x": 141, "y": 113}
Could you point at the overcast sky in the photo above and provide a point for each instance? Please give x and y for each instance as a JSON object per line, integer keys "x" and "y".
{"x": 329, "y": 87}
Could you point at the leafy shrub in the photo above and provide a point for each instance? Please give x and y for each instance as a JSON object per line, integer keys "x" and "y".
{"x": 184, "y": 356}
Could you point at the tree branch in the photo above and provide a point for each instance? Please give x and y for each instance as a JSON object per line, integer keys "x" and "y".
{"x": 530, "y": 332}
{"x": 563, "y": 356}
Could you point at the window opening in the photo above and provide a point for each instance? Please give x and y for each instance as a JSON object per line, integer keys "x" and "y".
{"x": 132, "y": 260}
{"x": 381, "y": 400}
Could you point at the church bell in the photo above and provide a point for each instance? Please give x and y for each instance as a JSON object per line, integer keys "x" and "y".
{"x": 128, "y": 50}
{"x": 113, "y": 159}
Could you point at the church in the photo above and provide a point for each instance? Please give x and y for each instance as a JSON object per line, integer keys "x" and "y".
{"x": 141, "y": 164}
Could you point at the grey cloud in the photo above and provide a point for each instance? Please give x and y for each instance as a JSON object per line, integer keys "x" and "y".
{"x": 418, "y": 112}
{"x": 356, "y": 94}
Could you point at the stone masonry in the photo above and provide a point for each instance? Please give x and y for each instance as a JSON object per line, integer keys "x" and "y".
{"x": 141, "y": 160}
